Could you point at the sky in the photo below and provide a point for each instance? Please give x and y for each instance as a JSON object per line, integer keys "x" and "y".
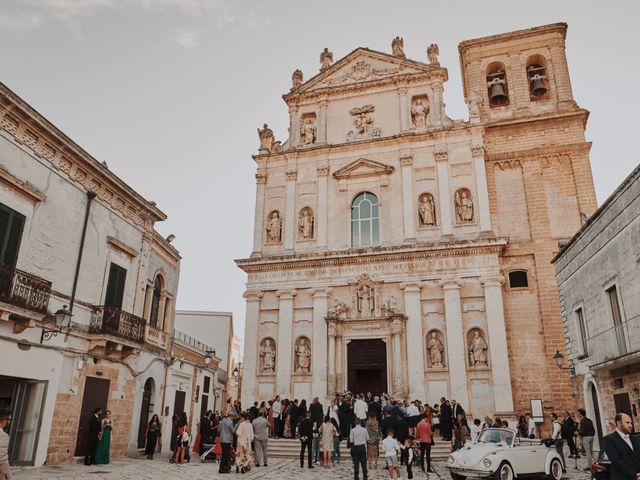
{"x": 170, "y": 93}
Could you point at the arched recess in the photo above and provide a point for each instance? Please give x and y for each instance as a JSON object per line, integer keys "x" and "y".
{"x": 592, "y": 404}
{"x": 365, "y": 220}
{"x": 537, "y": 78}
{"x": 159, "y": 287}
{"x": 146, "y": 409}
{"x": 497, "y": 85}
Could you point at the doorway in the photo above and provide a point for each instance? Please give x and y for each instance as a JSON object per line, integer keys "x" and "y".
{"x": 96, "y": 395}
{"x": 145, "y": 411}
{"x": 367, "y": 366}
{"x": 178, "y": 403}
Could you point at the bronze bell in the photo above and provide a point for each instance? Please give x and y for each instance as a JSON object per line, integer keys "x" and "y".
{"x": 497, "y": 95}
{"x": 538, "y": 88}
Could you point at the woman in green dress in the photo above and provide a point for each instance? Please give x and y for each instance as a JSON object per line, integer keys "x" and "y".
{"x": 102, "y": 455}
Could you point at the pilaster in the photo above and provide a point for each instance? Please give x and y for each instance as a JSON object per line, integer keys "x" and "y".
{"x": 285, "y": 342}
{"x": 249, "y": 385}
{"x": 323, "y": 201}
{"x": 398, "y": 383}
{"x": 444, "y": 193}
{"x": 319, "y": 351}
{"x": 415, "y": 341}
{"x": 407, "y": 197}
{"x": 455, "y": 343}
{"x": 290, "y": 214}
{"x": 258, "y": 223}
{"x": 482, "y": 193}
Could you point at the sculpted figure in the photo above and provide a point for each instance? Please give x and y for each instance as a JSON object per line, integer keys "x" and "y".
{"x": 266, "y": 137}
{"x": 435, "y": 350}
{"x": 365, "y": 301}
{"x": 419, "y": 112}
{"x": 477, "y": 350}
{"x": 427, "y": 211}
{"x": 268, "y": 355}
{"x": 326, "y": 59}
{"x": 473, "y": 103}
{"x": 392, "y": 304}
{"x": 274, "y": 227}
{"x": 432, "y": 53}
{"x": 338, "y": 308}
{"x": 464, "y": 206}
{"x": 303, "y": 356}
{"x": 397, "y": 47}
{"x": 308, "y": 132}
{"x": 296, "y": 78}
{"x": 305, "y": 224}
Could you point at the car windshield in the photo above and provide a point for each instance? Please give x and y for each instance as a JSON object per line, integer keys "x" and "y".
{"x": 495, "y": 435}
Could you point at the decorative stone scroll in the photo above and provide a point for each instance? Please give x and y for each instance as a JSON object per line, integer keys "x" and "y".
{"x": 274, "y": 227}
{"x": 305, "y": 224}
{"x": 426, "y": 210}
{"x": 464, "y": 206}
{"x": 303, "y": 355}
{"x": 363, "y": 121}
{"x": 435, "y": 348}
{"x": 477, "y": 348}
{"x": 268, "y": 355}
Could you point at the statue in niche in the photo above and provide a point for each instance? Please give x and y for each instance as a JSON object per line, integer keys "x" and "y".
{"x": 434, "y": 345}
{"x": 305, "y": 224}
{"x": 464, "y": 206}
{"x": 266, "y": 138}
{"x": 363, "y": 122}
{"x": 419, "y": 112}
{"x": 308, "y": 131}
{"x": 427, "y": 210}
{"x": 296, "y": 78}
{"x": 274, "y": 227}
{"x": 338, "y": 308}
{"x": 432, "y": 52}
{"x": 397, "y": 47}
{"x": 268, "y": 356}
{"x": 392, "y": 304}
{"x": 326, "y": 59}
{"x": 477, "y": 350}
{"x": 365, "y": 301}
{"x": 303, "y": 356}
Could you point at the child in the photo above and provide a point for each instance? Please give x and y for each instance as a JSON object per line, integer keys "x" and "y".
{"x": 408, "y": 445}
{"x": 391, "y": 448}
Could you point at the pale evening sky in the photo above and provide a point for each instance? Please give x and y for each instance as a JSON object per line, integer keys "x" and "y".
{"x": 170, "y": 92}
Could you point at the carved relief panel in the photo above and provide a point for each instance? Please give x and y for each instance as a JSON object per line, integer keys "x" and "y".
{"x": 419, "y": 111}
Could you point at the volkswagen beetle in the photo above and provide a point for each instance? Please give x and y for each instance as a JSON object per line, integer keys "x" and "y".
{"x": 502, "y": 455}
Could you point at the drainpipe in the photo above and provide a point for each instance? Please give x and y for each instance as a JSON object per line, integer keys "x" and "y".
{"x": 90, "y": 196}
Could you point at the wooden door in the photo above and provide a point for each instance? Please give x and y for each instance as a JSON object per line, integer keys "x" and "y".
{"x": 178, "y": 403}
{"x": 367, "y": 366}
{"x": 96, "y": 394}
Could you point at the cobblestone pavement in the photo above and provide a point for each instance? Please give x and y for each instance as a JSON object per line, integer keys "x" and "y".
{"x": 280, "y": 469}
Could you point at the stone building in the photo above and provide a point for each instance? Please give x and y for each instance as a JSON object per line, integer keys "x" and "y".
{"x": 74, "y": 234}
{"x": 397, "y": 250}
{"x": 597, "y": 275}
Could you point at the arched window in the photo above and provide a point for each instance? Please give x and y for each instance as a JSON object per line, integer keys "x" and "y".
{"x": 518, "y": 279}
{"x": 365, "y": 220}
{"x": 537, "y": 78}
{"x": 497, "y": 87}
{"x": 155, "y": 302}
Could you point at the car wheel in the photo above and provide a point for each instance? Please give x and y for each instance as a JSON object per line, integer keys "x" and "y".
{"x": 555, "y": 470}
{"x": 504, "y": 472}
{"x": 455, "y": 476}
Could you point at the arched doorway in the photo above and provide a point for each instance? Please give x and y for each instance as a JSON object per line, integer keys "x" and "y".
{"x": 145, "y": 410}
{"x": 592, "y": 405}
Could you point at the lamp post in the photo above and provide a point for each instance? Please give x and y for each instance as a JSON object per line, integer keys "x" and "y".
{"x": 559, "y": 358}
{"x": 209, "y": 356}
{"x": 63, "y": 320}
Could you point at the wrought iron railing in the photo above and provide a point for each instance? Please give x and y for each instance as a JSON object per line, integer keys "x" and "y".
{"x": 115, "y": 321}
{"x": 614, "y": 343}
{"x": 24, "y": 289}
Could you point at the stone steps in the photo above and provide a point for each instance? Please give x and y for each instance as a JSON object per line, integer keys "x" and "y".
{"x": 290, "y": 448}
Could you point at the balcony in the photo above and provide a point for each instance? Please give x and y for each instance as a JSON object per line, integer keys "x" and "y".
{"x": 115, "y": 321}
{"x": 24, "y": 290}
{"x": 617, "y": 346}
{"x": 156, "y": 337}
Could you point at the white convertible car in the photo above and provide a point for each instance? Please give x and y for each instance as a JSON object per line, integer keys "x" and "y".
{"x": 500, "y": 454}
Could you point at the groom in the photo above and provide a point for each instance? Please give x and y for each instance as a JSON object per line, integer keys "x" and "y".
{"x": 93, "y": 439}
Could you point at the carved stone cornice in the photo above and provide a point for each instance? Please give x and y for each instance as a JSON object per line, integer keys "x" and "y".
{"x": 410, "y": 287}
{"x": 261, "y": 178}
{"x": 286, "y": 294}
{"x": 27, "y": 190}
{"x": 253, "y": 296}
{"x": 122, "y": 247}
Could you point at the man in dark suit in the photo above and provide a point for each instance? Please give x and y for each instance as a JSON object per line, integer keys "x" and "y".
{"x": 456, "y": 409}
{"x": 93, "y": 437}
{"x": 305, "y": 430}
{"x": 294, "y": 413}
{"x": 345, "y": 414}
{"x": 317, "y": 414}
{"x": 623, "y": 450}
{"x": 445, "y": 419}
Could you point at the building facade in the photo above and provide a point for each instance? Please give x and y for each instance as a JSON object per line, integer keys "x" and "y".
{"x": 74, "y": 234}
{"x": 397, "y": 250}
{"x": 597, "y": 275}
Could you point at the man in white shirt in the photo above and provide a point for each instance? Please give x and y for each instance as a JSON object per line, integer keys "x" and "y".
{"x": 556, "y": 436}
{"x": 277, "y": 410}
{"x": 531, "y": 426}
{"x": 391, "y": 448}
{"x": 475, "y": 430}
{"x": 360, "y": 410}
{"x": 623, "y": 450}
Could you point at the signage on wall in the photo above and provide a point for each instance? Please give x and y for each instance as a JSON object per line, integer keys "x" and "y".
{"x": 536, "y": 410}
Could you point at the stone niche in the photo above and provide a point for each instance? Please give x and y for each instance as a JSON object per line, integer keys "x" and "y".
{"x": 308, "y": 129}
{"x": 420, "y": 111}
{"x": 435, "y": 349}
{"x": 477, "y": 349}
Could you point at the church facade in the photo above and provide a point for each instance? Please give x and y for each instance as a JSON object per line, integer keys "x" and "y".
{"x": 397, "y": 250}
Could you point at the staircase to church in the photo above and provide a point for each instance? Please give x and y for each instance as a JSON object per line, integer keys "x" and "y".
{"x": 290, "y": 448}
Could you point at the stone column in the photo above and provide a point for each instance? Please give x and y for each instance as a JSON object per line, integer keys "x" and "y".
{"x": 444, "y": 194}
{"x": 331, "y": 359}
{"x": 408, "y": 209}
{"x": 166, "y": 318}
{"x": 321, "y": 214}
{"x": 482, "y": 193}
{"x": 250, "y": 360}
{"x": 319, "y": 351}
{"x": 322, "y": 122}
{"x": 456, "y": 350}
{"x": 258, "y": 222}
{"x": 339, "y": 362}
{"x": 148, "y": 297}
{"x": 497, "y": 337}
{"x": 404, "y": 110}
{"x": 285, "y": 342}
{"x": 161, "y": 308}
{"x": 396, "y": 331}
{"x": 415, "y": 340}
{"x": 290, "y": 213}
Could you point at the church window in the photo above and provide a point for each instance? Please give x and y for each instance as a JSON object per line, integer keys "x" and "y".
{"x": 537, "y": 78}
{"x": 497, "y": 87}
{"x": 155, "y": 302}
{"x": 365, "y": 220}
{"x": 518, "y": 279}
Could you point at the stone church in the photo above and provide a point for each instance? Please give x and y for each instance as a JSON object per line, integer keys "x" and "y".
{"x": 398, "y": 250}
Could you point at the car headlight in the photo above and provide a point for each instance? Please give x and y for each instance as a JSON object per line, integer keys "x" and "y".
{"x": 451, "y": 460}
{"x": 486, "y": 462}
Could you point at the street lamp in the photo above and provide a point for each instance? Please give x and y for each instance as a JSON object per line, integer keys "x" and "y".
{"x": 236, "y": 373}
{"x": 209, "y": 356}
{"x": 63, "y": 320}
{"x": 559, "y": 358}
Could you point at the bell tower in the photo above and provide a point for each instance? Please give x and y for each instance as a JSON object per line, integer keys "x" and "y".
{"x": 518, "y": 74}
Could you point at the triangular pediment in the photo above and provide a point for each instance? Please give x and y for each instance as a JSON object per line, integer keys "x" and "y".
{"x": 363, "y": 167}
{"x": 361, "y": 66}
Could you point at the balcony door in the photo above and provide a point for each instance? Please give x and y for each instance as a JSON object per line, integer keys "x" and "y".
{"x": 115, "y": 286}
{"x": 11, "y": 225}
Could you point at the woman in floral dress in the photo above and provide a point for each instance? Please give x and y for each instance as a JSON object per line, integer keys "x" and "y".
{"x": 244, "y": 437}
